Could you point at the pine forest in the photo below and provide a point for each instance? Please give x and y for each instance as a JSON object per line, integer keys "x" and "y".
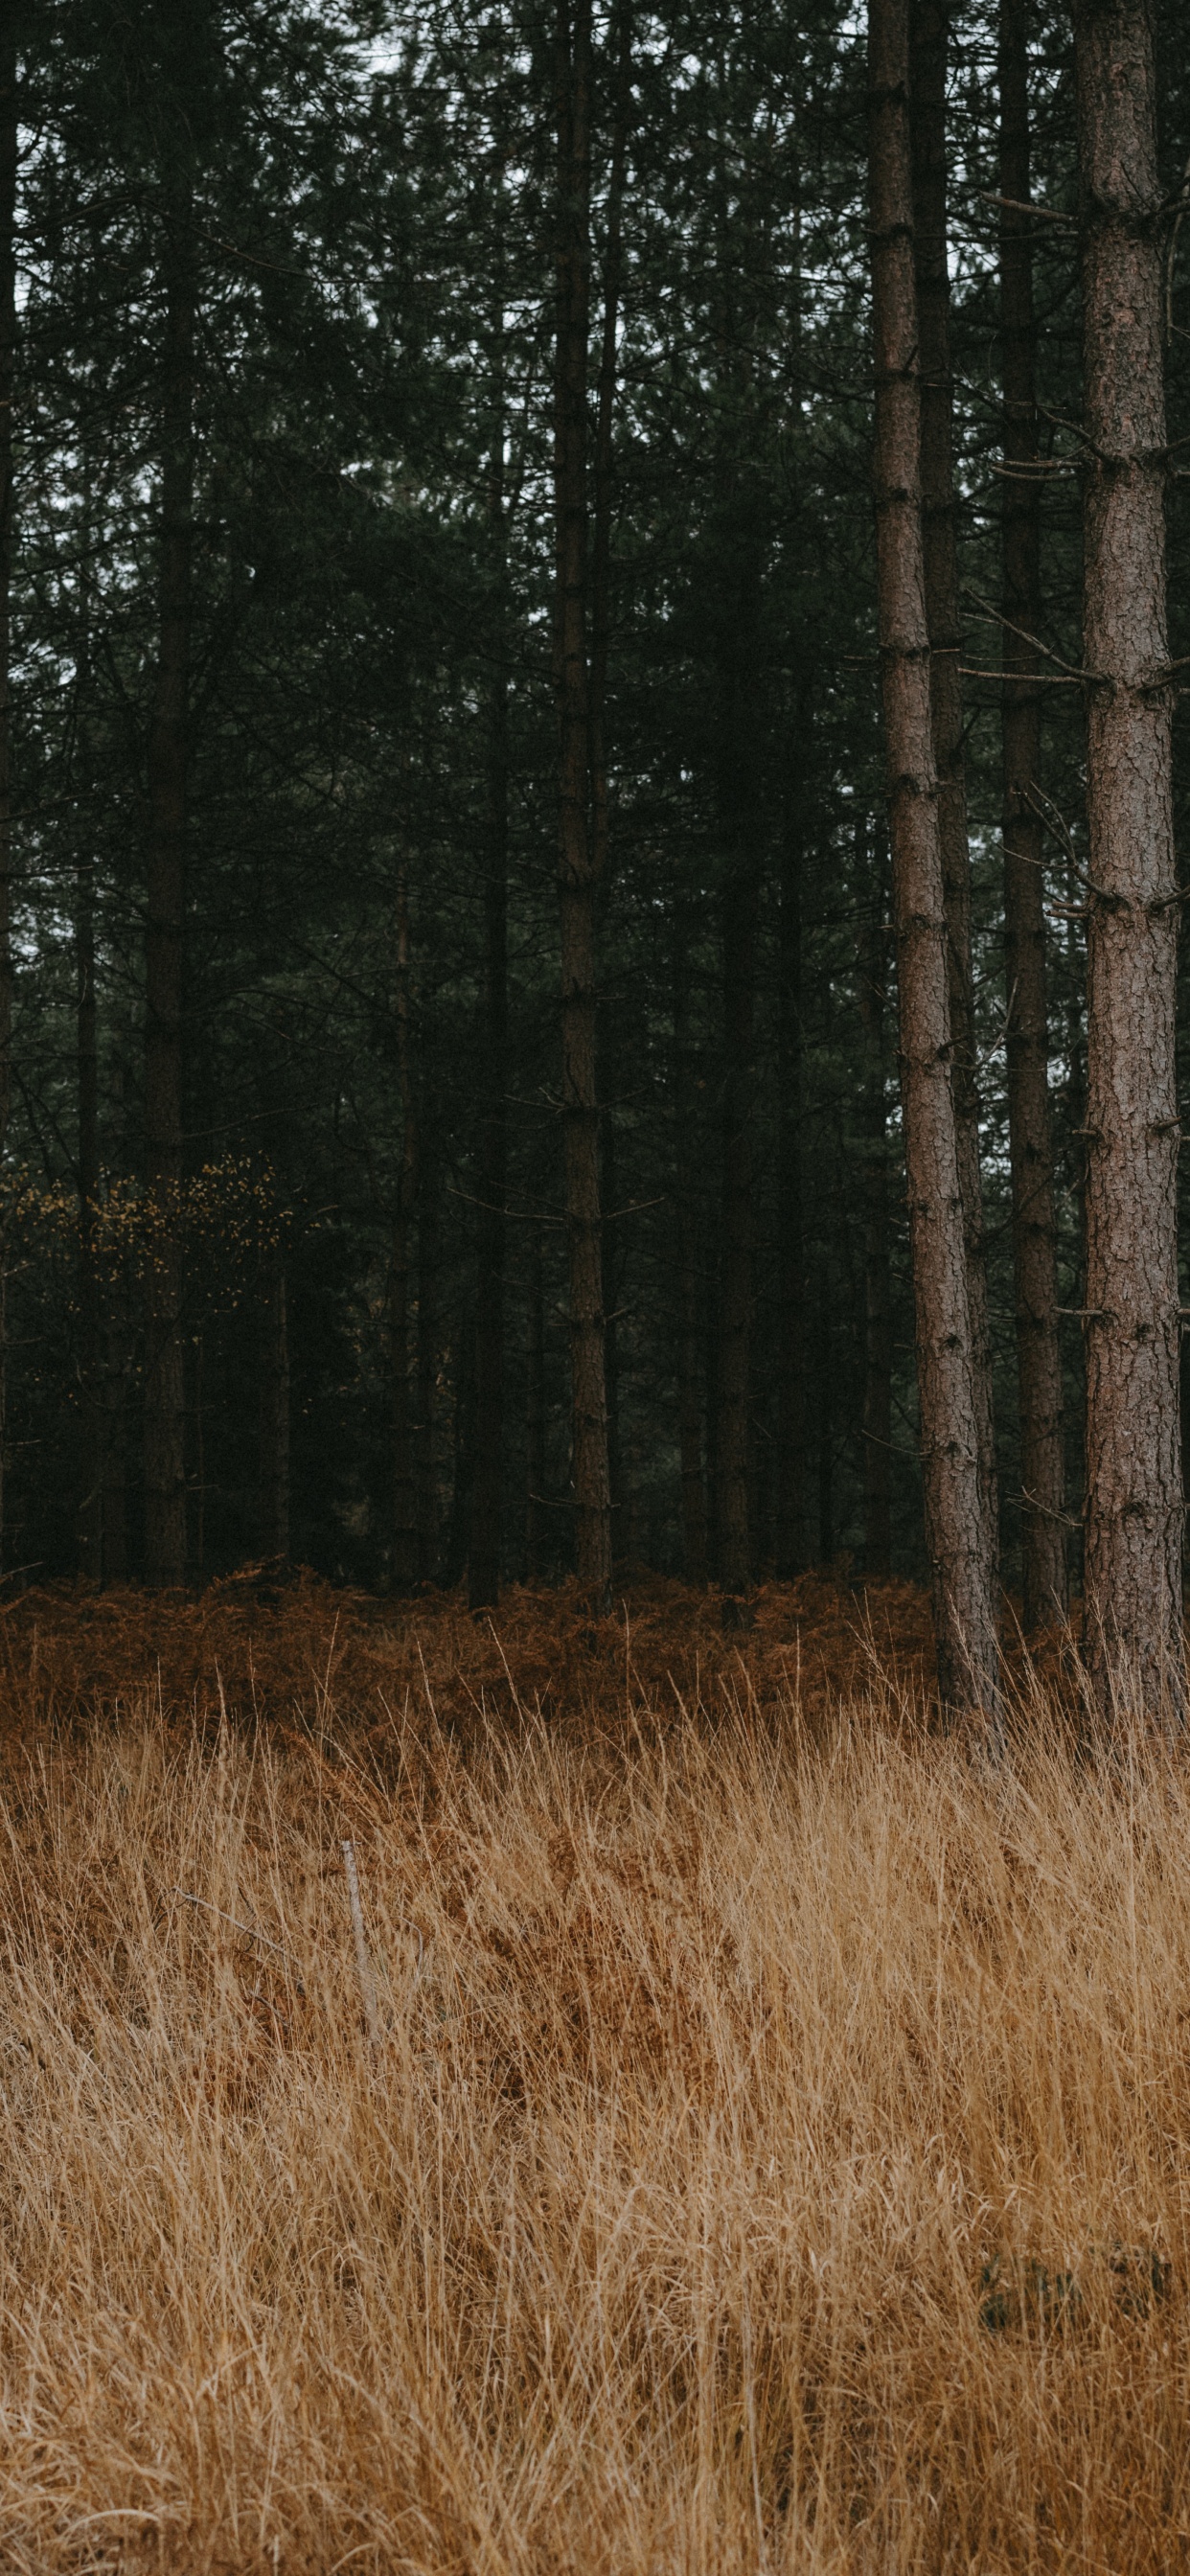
{"x": 594, "y": 819}
{"x": 455, "y": 1110}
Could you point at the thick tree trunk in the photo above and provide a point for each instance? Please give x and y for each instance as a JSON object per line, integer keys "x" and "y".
{"x": 690, "y": 1375}
{"x": 1034, "y": 1234}
{"x": 956, "y": 1515}
{"x": 878, "y": 1339}
{"x": 929, "y": 31}
{"x": 405, "y": 1553}
{"x": 484, "y": 1566}
{"x": 791, "y": 1375}
{"x": 577, "y": 882}
{"x": 274, "y": 1421}
{"x": 165, "y": 1410}
{"x": 1134, "y": 1477}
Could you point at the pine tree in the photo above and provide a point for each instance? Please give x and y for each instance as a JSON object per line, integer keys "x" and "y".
{"x": 1134, "y": 1475}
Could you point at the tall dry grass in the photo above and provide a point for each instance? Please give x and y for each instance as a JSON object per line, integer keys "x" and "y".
{"x": 775, "y": 2156}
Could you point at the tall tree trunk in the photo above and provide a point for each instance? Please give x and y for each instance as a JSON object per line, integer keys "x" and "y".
{"x": 601, "y": 543}
{"x": 956, "y": 1516}
{"x": 535, "y": 1410}
{"x": 199, "y": 1517}
{"x": 486, "y": 1486}
{"x": 737, "y": 799}
{"x": 274, "y": 1420}
{"x": 90, "y": 1515}
{"x": 1034, "y": 1233}
{"x": 690, "y": 1389}
{"x": 1134, "y": 1476}
{"x": 878, "y": 1339}
{"x": 452, "y": 1557}
{"x": 611, "y": 1301}
{"x": 577, "y": 883}
{"x": 9, "y": 115}
{"x": 739, "y": 912}
{"x": 711, "y": 1375}
{"x": 929, "y": 32}
{"x": 405, "y": 1553}
{"x": 115, "y": 1455}
{"x": 165, "y": 1412}
{"x": 824, "y": 1409}
{"x": 427, "y": 1384}
{"x": 791, "y": 1391}
{"x": 601, "y": 534}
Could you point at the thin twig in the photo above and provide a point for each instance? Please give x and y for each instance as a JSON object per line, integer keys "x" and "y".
{"x": 1034, "y": 641}
{"x": 1034, "y": 679}
{"x": 1024, "y": 206}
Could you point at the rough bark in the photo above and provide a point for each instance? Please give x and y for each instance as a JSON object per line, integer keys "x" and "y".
{"x": 406, "y": 1562}
{"x": 955, "y": 1508}
{"x": 929, "y": 33}
{"x": 1134, "y": 1479}
{"x": 164, "y": 1410}
{"x": 1034, "y": 1235}
{"x": 878, "y": 1341}
{"x": 577, "y": 880}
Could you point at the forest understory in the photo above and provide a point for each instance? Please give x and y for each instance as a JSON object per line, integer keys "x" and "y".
{"x": 752, "y": 2134}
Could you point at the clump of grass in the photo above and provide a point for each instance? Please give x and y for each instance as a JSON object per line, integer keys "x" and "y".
{"x": 773, "y": 2158}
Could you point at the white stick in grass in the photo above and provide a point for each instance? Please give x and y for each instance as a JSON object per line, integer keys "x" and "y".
{"x": 362, "y": 1960}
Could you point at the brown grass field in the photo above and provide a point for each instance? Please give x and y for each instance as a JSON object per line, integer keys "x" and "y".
{"x": 771, "y": 2152}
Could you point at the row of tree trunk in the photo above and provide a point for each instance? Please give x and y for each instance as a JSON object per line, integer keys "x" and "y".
{"x": 1132, "y": 1319}
{"x": 1134, "y": 1496}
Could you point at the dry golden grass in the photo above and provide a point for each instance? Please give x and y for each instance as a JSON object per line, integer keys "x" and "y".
{"x": 775, "y": 2157}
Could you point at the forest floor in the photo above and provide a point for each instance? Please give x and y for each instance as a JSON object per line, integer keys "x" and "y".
{"x": 753, "y": 2136}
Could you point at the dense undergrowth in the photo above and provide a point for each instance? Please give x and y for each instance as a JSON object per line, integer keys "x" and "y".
{"x": 772, "y": 2152}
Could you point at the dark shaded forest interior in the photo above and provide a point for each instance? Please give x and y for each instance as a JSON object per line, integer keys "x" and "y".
{"x": 465, "y": 764}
